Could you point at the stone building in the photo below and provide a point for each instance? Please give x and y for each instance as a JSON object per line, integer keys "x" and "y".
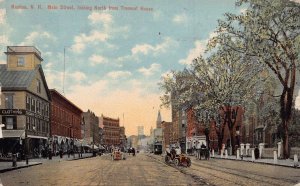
{"x": 25, "y": 102}
{"x": 91, "y": 125}
{"x": 65, "y": 123}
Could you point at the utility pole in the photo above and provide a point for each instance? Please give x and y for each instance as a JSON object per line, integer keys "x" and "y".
{"x": 26, "y": 145}
{"x": 64, "y": 71}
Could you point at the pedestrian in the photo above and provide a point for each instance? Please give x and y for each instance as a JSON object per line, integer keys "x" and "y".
{"x": 61, "y": 153}
{"x": 133, "y": 151}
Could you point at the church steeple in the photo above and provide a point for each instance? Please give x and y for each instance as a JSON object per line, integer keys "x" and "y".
{"x": 158, "y": 120}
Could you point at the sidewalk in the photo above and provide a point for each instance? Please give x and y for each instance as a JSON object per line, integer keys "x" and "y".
{"x": 7, "y": 166}
{"x": 280, "y": 162}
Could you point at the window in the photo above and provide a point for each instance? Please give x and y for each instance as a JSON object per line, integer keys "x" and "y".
{"x": 27, "y": 102}
{"x": 33, "y": 124}
{"x": 38, "y": 126}
{"x": 27, "y": 122}
{"x": 21, "y": 61}
{"x": 9, "y": 101}
{"x": 9, "y": 123}
{"x": 37, "y": 106}
{"x": 33, "y": 108}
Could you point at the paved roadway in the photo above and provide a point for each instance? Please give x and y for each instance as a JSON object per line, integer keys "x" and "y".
{"x": 138, "y": 170}
{"x": 150, "y": 170}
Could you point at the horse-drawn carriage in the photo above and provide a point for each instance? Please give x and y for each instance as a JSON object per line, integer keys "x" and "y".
{"x": 202, "y": 153}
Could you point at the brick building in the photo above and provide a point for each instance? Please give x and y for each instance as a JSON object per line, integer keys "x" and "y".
{"x": 195, "y": 130}
{"x": 166, "y": 133}
{"x": 111, "y": 131}
{"x": 65, "y": 122}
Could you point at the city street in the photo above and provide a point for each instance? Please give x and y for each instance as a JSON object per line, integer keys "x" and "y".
{"x": 149, "y": 169}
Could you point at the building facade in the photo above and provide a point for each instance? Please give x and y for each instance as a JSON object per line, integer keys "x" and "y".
{"x": 25, "y": 103}
{"x": 140, "y": 130}
{"x": 111, "y": 131}
{"x": 65, "y": 123}
{"x": 91, "y": 125}
{"x": 166, "y": 134}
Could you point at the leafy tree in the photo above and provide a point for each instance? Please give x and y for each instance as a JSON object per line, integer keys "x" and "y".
{"x": 267, "y": 31}
{"x": 225, "y": 79}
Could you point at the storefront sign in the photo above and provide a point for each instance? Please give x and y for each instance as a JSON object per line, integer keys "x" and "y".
{"x": 12, "y": 112}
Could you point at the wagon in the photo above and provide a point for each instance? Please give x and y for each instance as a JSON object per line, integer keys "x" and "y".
{"x": 117, "y": 155}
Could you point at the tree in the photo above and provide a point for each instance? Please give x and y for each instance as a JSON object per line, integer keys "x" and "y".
{"x": 269, "y": 32}
{"x": 225, "y": 79}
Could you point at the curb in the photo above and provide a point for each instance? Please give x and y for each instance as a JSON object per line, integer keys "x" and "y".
{"x": 20, "y": 167}
{"x": 264, "y": 163}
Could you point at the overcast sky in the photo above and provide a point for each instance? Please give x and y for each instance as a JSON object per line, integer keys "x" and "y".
{"x": 113, "y": 58}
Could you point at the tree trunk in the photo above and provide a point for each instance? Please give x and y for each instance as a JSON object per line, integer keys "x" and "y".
{"x": 286, "y": 100}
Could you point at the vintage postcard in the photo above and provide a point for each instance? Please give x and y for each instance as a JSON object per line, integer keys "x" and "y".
{"x": 149, "y": 92}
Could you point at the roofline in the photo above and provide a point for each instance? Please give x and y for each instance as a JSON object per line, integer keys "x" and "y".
{"x": 59, "y": 94}
{"x": 40, "y": 69}
{"x": 37, "y": 54}
{"x": 105, "y": 117}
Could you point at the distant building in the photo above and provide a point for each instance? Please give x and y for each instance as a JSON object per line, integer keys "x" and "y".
{"x": 140, "y": 130}
{"x": 91, "y": 123}
{"x": 133, "y": 141}
{"x": 158, "y": 120}
{"x": 111, "y": 131}
{"x": 25, "y": 102}
{"x": 122, "y": 137}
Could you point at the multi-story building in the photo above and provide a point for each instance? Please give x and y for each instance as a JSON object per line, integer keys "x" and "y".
{"x": 91, "y": 123}
{"x": 166, "y": 134}
{"x": 140, "y": 131}
{"x": 25, "y": 102}
{"x": 111, "y": 131}
{"x": 133, "y": 141}
{"x": 65, "y": 122}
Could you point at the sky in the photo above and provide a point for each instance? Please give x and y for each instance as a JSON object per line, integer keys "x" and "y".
{"x": 113, "y": 52}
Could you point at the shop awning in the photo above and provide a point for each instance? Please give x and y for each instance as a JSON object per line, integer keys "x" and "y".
{"x": 37, "y": 137}
{"x": 13, "y": 134}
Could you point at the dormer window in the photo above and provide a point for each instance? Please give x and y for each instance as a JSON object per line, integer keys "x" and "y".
{"x": 21, "y": 61}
